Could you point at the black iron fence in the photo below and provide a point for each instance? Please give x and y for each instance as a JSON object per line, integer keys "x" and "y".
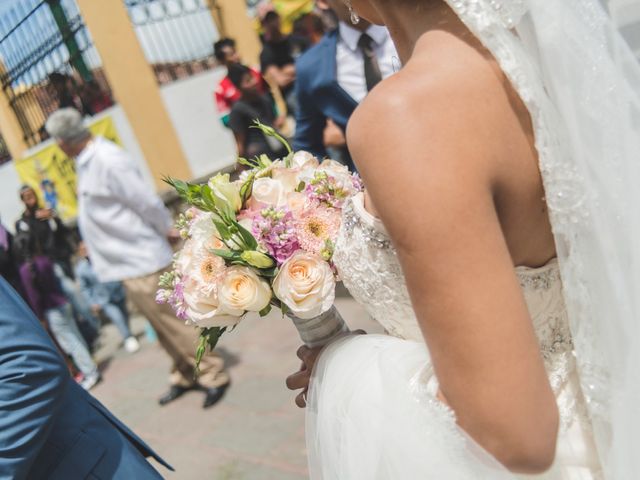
{"x": 5, "y": 156}
{"x": 48, "y": 61}
{"x": 176, "y": 36}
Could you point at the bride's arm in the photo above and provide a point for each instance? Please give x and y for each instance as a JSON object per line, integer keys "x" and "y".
{"x": 431, "y": 169}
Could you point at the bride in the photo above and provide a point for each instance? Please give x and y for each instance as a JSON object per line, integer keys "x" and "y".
{"x": 498, "y": 244}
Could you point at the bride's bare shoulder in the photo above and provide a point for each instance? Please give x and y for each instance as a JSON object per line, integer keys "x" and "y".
{"x": 431, "y": 102}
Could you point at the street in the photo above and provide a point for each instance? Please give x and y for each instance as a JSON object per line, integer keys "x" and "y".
{"x": 255, "y": 433}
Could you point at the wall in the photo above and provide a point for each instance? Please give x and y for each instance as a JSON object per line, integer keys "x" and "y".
{"x": 206, "y": 143}
{"x": 129, "y": 141}
{"x": 10, "y": 205}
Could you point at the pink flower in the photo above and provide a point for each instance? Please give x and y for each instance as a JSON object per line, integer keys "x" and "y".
{"x": 317, "y": 226}
{"x": 275, "y": 230}
{"x": 175, "y": 298}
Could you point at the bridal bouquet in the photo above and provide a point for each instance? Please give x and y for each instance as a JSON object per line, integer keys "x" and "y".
{"x": 264, "y": 240}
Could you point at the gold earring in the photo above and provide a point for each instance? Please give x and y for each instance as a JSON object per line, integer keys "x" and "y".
{"x": 355, "y": 18}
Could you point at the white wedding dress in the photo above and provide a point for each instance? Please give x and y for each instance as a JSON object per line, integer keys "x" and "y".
{"x": 372, "y": 411}
{"x": 362, "y": 384}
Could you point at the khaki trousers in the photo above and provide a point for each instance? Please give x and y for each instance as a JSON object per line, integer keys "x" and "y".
{"x": 178, "y": 340}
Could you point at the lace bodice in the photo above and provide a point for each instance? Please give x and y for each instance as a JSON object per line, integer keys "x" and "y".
{"x": 369, "y": 267}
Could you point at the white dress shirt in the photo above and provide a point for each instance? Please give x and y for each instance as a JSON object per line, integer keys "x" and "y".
{"x": 350, "y": 59}
{"x": 121, "y": 219}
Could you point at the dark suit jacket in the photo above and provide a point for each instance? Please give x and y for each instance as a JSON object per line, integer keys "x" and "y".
{"x": 319, "y": 95}
{"x": 50, "y": 428}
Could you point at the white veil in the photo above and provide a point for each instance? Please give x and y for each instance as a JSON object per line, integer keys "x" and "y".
{"x": 581, "y": 85}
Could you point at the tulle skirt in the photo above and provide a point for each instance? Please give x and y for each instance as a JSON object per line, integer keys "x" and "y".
{"x": 372, "y": 414}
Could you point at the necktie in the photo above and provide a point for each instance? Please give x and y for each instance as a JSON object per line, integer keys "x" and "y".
{"x": 372, "y": 73}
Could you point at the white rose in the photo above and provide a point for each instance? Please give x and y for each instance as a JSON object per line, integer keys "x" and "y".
{"x": 241, "y": 290}
{"x": 288, "y": 177}
{"x": 269, "y": 192}
{"x": 333, "y": 166}
{"x": 302, "y": 160}
{"x": 203, "y": 308}
{"x": 306, "y": 285}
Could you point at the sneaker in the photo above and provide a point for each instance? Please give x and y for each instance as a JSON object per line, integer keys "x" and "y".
{"x": 90, "y": 381}
{"x": 131, "y": 345}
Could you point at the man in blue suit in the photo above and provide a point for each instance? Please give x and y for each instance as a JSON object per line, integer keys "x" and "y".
{"x": 50, "y": 428}
{"x": 334, "y": 76}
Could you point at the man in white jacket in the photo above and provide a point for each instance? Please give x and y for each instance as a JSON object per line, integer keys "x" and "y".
{"x": 128, "y": 232}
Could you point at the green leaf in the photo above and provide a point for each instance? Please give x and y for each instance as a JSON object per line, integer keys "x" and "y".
{"x": 247, "y": 163}
{"x": 214, "y": 336}
{"x": 301, "y": 186}
{"x": 240, "y": 262}
{"x": 200, "y": 351}
{"x": 208, "y": 339}
{"x": 209, "y": 199}
{"x": 247, "y": 238}
{"x": 227, "y": 254}
{"x": 265, "y": 311}
{"x": 190, "y": 193}
{"x": 269, "y": 272}
{"x": 223, "y": 229}
{"x": 247, "y": 188}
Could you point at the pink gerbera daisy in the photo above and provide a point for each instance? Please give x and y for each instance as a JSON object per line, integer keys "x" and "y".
{"x": 315, "y": 227}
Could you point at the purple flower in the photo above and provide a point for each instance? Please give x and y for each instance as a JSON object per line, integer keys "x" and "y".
{"x": 176, "y": 300}
{"x": 358, "y": 184}
{"x": 162, "y": 296}
{"x": 274, "y": 228}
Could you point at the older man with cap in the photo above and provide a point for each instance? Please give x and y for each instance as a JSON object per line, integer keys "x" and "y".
{"x": 128, "y": 231}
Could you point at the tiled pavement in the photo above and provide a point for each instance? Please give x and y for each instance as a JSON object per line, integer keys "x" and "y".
{"x": 254, "y": 433}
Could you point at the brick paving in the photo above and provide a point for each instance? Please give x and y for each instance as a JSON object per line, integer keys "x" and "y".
{"x": 254, "y": 433}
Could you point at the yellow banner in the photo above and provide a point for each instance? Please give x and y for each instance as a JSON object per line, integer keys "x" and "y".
{"x": 53, "y": 175}
{"x": 290, "y": 10}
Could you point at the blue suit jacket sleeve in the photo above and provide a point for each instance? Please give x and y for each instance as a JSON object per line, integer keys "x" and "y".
{"x": 310, "y": 121}
{"x": 33, "y": 378}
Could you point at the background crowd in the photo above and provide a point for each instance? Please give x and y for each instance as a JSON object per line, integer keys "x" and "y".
{"x": 309, "y": 81}
{"x": 77, "y": 278}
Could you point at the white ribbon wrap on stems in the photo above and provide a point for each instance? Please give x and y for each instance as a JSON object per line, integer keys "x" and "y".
{"x": 320, "y": 330}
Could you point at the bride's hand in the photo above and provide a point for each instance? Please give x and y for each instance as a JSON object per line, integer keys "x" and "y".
{"x": 300, "y": 379}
